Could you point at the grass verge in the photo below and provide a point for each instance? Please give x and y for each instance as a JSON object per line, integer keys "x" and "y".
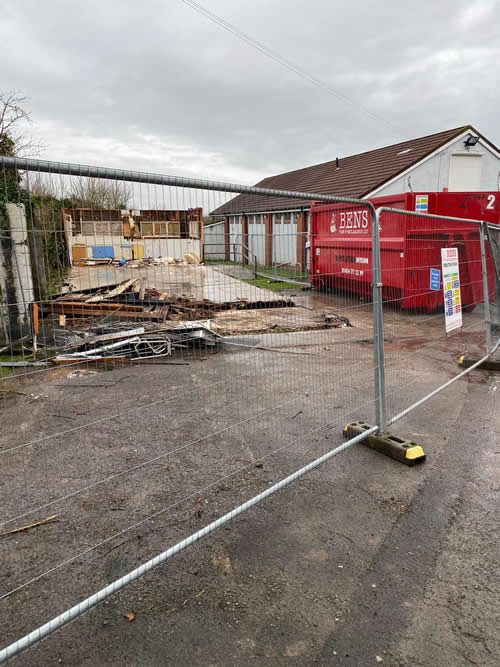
{"x": 274, "y": 286}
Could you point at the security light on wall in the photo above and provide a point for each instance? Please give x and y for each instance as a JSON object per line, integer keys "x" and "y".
{"x": 471, "y": 141}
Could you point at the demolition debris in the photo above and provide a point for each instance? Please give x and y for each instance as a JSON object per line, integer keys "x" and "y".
{"x": 132, "y": 320}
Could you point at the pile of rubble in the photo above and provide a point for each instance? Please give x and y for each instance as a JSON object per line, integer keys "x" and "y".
{"x": 114, "y": 342}
{"x": 191, "y": 258}
{"x": 129, "y": 300}
{"x": 123, "y": 321}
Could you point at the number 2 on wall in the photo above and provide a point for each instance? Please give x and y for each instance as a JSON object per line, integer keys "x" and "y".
{"x": 491, "y": 201}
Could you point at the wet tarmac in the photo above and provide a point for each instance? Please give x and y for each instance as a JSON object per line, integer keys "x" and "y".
{"x": 363, "y": 558}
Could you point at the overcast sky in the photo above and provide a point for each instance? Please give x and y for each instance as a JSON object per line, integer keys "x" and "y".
{"x": 153, "y": 85}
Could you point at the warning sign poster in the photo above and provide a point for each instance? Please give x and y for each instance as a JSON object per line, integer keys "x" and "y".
{"x": 422, "y": 203}
{"x": 451, "y": 289}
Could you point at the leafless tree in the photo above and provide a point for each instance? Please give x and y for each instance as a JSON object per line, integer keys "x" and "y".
{"x": 97, "y": 193}
{"x": 14, "y": 119}
{"x": 16, "y": 142}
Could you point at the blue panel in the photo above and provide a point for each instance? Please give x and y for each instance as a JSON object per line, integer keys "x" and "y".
{"x": 102, "y": 251}
{"x": 435, "y": 279}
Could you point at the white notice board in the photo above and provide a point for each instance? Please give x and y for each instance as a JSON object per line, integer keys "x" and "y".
{"x": 451, "y": 289}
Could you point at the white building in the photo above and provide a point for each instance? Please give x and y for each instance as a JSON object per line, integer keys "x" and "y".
{"x": 275, "y": 229}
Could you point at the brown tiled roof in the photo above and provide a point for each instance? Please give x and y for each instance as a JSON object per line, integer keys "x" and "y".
{"x": 357, "y": 176}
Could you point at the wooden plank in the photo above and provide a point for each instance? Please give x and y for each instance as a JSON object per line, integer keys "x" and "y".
{"x": 34, "y": 324}
{"x": 83, "y": 293}
{"x": 163, "y": 311}
{"x": 122, "y": 287}
{"x": 84, "y": 306}
{"x": 34, "y": 313}
{"x": 60, "y": 308}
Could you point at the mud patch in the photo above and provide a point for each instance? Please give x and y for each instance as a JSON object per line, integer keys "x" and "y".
{"x": 317, "y": 555}
{"x": 297, "y": 649}
{"x": 222, "y": 564}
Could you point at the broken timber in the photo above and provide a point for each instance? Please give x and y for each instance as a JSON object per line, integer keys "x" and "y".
{"x": 122, "y": 287}
{"x": 123, "y": 311}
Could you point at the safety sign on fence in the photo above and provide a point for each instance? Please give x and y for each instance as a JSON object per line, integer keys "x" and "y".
{"x": 435, "y": 279}
{"x": 451, "y": 289}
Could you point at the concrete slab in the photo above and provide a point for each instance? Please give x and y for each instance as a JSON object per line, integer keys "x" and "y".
{"x": 266, "y": 320}
{"x": 195, "y": 282}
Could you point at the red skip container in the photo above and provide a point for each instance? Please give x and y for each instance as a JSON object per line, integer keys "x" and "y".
{"x": 410, "y": 246}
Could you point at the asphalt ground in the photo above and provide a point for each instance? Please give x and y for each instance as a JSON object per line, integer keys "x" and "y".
{"x": 362, "y": 561}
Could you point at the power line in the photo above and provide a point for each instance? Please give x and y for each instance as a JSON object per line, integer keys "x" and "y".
{"x": 281, "y": 59}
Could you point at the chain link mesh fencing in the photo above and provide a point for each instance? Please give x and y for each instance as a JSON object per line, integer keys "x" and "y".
{"x": 152, "y": 385}
{"x": 435, "y": 274}
{"x": 174, "y": 352}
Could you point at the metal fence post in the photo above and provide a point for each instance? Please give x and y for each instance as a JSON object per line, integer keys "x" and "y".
{"x": 378, "y": 326}
{"x": 486, "y": 294}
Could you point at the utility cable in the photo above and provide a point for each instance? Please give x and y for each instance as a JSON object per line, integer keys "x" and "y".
{"x": 282, "y": 60}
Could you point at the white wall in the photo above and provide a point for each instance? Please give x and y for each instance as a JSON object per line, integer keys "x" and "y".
{"x": 213, "y": 241}
{"x": 153, "y": 247}
{"x": 434, "y": 174}
{"x": 175, "y": 248}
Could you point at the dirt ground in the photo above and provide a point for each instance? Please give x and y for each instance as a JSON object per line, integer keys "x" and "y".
{"x": 362, "y": 561}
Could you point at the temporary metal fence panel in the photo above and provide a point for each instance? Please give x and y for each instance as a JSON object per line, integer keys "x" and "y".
{"x": 223, "y": 366}
{"x": 218, "y": 374}
{"x": 438, "y": 277}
